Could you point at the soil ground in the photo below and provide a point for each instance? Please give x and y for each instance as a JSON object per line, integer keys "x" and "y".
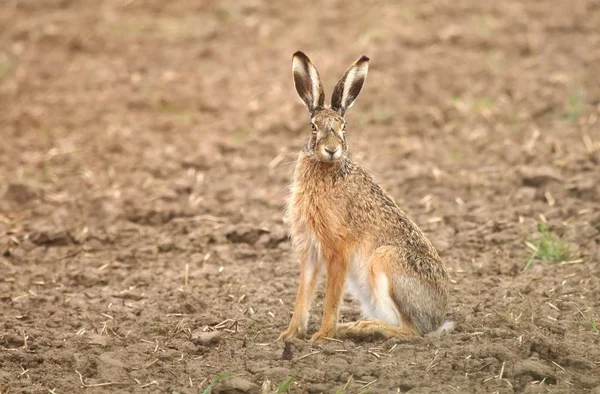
{"x": 146, "y": 142}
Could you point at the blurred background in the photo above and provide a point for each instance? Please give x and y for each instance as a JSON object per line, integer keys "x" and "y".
{"x": 146, "y": 148}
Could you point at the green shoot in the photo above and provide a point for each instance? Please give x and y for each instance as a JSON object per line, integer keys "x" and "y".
{"x": 240, "y": 135}
{"x": 549, "y": 247}
{"x": 5, "y": 67}
{"x": 457, "y": 155}
{"x": 594, "y": 324}
{"x": 483, "y": 104}
{"x": 285, "y": 385}
{"x": 340, "y": 390}
{"x": 221, "y": 376}
{"x": 575, "y": 105}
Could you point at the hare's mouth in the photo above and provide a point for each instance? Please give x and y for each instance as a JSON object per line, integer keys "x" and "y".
{"x": 330, "y": 154}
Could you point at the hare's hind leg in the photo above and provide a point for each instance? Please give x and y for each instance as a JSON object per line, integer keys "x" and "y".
{"x": 419, "y": 292}
{"x": 374, "y": 290}
{"x": 400, "y": 302}
{"x": 371, "y": 328}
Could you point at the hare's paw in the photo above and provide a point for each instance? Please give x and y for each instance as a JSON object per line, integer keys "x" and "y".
{"x": 363, "y": 324}
{"x": 293, "y": 331}
{"x": 323, "y": 333}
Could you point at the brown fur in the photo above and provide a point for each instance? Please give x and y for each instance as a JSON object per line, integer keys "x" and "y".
{"x": 336, "y": 210}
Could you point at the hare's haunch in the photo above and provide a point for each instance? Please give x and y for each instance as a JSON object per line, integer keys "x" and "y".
{"x": 342, "y": 220}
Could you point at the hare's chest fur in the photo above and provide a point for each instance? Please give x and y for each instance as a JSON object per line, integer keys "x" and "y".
{"x": 317, "y": 205}
{"x": 314, "y": 216}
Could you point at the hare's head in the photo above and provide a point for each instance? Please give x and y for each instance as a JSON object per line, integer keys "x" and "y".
{"x": 328, "y": 139}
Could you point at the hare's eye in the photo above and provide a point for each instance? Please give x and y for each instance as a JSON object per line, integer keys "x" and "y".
{"x": 313, "y": 127}
{"x": 344, "y": 127}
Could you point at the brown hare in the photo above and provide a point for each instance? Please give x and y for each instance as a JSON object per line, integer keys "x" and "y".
{"x": 341, "y": 219}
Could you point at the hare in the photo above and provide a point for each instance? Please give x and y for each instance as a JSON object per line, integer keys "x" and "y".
{"x": 342, "y": 220}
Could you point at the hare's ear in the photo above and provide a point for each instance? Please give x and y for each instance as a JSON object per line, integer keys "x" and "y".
{"x": 348, "y": 88}
{"x": 307, "y": 81}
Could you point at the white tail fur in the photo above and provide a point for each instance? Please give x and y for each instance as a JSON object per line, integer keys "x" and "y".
{"x": 447, "y": 326}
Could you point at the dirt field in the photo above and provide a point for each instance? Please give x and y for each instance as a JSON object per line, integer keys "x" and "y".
{"x": 141, "y": 140}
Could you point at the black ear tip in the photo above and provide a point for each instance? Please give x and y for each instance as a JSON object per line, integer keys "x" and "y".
{"x": 363, "y": 59}
{"x": 299, "y": 54}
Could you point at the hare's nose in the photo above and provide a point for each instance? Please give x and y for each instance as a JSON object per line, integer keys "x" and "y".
{"x": 331, "y": 151}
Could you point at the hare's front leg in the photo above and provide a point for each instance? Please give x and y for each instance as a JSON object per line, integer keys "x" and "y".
{"x": 309, "y": 272}
{"x": 337, "y": 267}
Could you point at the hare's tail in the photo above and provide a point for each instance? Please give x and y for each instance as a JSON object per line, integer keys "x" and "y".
{"x": 447, "y": 326}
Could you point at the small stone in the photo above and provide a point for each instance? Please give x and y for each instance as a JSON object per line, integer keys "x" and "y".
{"x": 205, "y": 338}
{"x": 235, "y": 385}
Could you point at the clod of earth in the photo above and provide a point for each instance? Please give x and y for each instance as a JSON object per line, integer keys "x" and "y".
{"x": 235, "y": 385}
{"x": 206, "y": 338}
{"x": 287, "y": 352}
{"x": 249, "y": 236}
{"x": 539, "y": 176}
{"x": 534, "y": 369}
{"x": 20, "y": 193}
{"x": 52, "y": 238}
